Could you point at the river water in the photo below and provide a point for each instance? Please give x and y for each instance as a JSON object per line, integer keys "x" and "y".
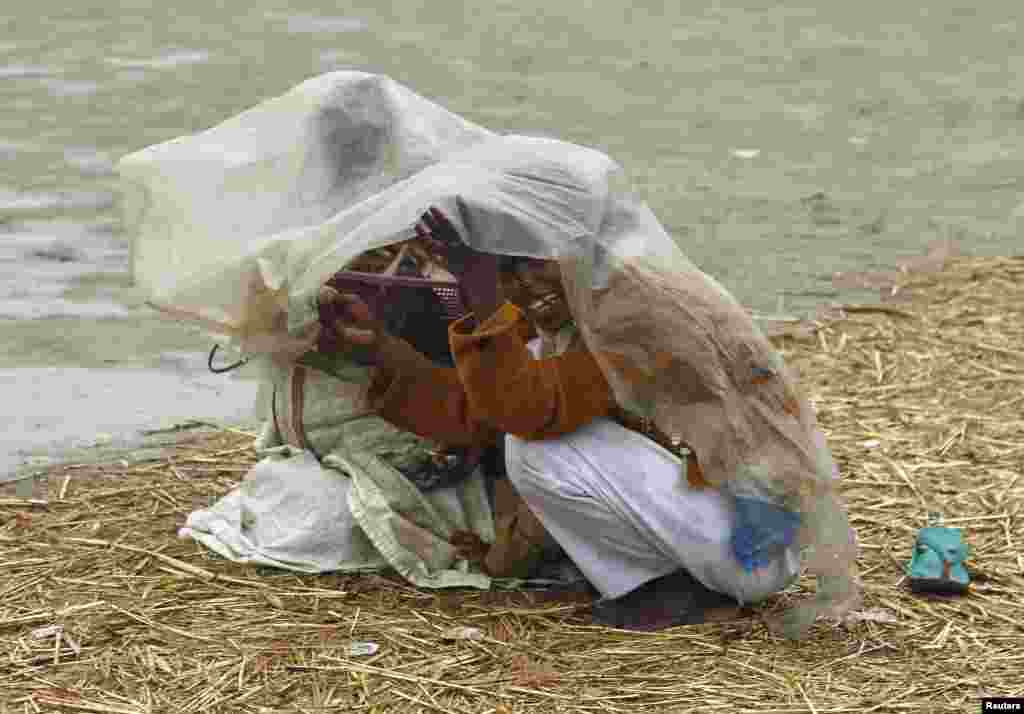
{"x": 779, "y": 141}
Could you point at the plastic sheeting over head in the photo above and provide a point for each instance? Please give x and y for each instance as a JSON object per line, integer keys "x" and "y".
{"x": 217, "y": 216}
{"x": 244, "y": 222}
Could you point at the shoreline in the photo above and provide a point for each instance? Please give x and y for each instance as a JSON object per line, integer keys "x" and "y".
{"x": 68, "y": 414}
{"x": 30, "y": 480}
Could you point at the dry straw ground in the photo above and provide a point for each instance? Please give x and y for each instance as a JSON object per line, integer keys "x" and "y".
{"x": 923, "y": 402}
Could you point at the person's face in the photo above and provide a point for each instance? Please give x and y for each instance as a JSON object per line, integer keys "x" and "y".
{"x": 535, "y": 287}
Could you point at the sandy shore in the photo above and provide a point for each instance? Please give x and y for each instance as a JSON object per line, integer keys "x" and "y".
{"x": 68, "y": 414}
{"x": 73, "y": 380}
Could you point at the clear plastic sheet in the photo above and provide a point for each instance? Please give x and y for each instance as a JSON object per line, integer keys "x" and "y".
{"x": 290, "y": 192}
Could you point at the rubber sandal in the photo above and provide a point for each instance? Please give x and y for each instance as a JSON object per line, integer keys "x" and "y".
{"x": 937, "y": 565}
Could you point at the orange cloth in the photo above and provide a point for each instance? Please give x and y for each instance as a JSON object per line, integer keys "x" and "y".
{"x": 496, "y": 386}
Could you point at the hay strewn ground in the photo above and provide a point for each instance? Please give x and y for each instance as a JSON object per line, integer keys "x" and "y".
{"x": 923, "y": 402}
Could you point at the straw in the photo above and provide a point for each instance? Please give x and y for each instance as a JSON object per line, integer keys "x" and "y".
{"x": 104, "y": 609}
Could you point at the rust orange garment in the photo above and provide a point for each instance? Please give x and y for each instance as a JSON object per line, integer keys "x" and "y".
{"x": 496, "y": 386}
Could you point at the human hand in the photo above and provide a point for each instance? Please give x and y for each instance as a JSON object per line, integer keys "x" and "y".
{"x": 469, "y": 546}
{"x": 349, "y": 324}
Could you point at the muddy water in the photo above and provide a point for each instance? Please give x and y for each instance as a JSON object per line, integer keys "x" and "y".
{"x": 779, "y": 141}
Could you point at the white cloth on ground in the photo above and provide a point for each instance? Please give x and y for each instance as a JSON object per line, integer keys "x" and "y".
{"x": 288, "y": 512}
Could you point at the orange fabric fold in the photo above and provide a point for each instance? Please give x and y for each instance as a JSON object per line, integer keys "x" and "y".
{"x": 496, "y": 386}
{"x": 513, "y": 392}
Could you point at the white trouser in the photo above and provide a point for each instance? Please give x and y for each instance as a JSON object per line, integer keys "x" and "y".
{"x": 620, "y": 506}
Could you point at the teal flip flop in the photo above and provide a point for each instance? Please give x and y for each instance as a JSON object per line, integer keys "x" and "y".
{"x": 937, "y": 565}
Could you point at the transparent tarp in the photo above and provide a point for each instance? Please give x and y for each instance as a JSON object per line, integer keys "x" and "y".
{"x": 239, "y": 226}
